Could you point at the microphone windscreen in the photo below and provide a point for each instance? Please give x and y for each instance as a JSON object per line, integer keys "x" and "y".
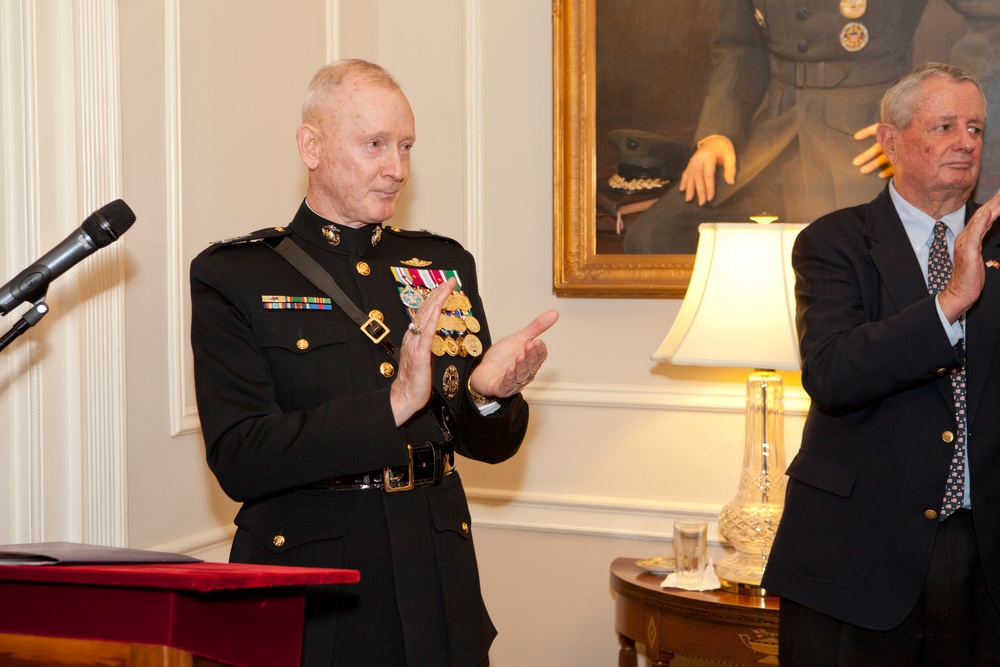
{"x": 109, "y": 222}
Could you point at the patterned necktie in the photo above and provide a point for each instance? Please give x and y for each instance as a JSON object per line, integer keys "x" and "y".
{"x": 938, "y": 275}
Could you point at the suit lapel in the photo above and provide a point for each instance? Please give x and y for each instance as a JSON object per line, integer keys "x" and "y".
{"x": 892, "y": 255}
{"x": 897, "y": 265}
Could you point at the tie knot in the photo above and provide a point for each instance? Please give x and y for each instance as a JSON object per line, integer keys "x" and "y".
{"x": 940, "y": 230}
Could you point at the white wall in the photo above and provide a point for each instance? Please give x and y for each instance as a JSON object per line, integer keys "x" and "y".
{"x": 203, "y": 103}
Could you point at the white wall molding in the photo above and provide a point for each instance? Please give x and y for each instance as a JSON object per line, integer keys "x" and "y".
{"x": 585, "y": 515}
{"x": 332, "y": 9}
{"x": 209, "y": 545}
{"x": 102, "y": 308}
{"x": 702, "y": 398}
{"x": 474, "y": 72}
{"x": 183, "y": 412}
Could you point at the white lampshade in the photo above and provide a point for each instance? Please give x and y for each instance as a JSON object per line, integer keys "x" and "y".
{"x": 739, "y": 310}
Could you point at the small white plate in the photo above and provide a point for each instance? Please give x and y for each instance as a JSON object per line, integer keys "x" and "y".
{"x": 661, "y": 566}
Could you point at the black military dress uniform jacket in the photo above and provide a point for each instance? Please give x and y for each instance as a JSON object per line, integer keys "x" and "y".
{"x": 288, "y": 397}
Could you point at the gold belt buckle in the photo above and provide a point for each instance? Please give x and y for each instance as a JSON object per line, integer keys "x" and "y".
{"x": 392, "y": 484}
{"x": 375, "y": 330}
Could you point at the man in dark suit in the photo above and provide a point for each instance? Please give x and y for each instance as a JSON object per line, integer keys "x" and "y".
{"x": 788, "y": 118}
{"x": 326, "y": 437}
{"x": 888, "y": 551}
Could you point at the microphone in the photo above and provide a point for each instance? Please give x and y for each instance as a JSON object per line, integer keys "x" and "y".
{"x": 101, "y": 228}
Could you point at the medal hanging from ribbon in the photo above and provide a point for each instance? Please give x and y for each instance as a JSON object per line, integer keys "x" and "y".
{"x": 457, "y": 326}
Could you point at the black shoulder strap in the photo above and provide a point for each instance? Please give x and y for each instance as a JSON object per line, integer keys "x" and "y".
{"x": 307, "y": 266}
{"x": 374, "y": 329}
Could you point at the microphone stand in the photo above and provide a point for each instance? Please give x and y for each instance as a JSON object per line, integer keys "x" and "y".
{"x": 29, "y": 320}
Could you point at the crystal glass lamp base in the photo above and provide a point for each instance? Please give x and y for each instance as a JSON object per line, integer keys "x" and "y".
{"x": 749, "y": 520}
{"x": 751, "y": 530}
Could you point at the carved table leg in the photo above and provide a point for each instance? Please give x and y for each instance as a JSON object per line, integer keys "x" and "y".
{"x": 627, "y": 656}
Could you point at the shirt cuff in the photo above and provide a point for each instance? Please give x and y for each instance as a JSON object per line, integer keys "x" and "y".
{"x": 956, "y": 330}
{"x": 488, "y": 408}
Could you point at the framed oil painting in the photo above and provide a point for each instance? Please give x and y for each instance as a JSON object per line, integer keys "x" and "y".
{"x": 630, "y": 80}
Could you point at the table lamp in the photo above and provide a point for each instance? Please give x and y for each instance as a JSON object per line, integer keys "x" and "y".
{"x": 739, "y": 311}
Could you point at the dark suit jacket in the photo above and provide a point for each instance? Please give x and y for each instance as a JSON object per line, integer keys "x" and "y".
{"x": 859, "y": 523}
{"x": 288, "y": 397}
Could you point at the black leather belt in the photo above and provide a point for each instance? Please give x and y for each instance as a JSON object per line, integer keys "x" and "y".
{"x": 428, "y": 465}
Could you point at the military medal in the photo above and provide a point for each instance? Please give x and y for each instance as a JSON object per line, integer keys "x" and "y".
{"x": 449, "y": 383}
{"x": 437, "y": 346}
{"x": 471, "y": 323}
{"x": 853, "y": 9}
{"x": 450, "y": 323}
{"x": 854, "y": 36}
{"x": 457, "y": 301}
{"x": 411, "y": 297}
{"x": 456, "y": 326}
{"x": 473, "y": 345}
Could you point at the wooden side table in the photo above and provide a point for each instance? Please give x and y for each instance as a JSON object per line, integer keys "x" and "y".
{"x": 710, "y": 625}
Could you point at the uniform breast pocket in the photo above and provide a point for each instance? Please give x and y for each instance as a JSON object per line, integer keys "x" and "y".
{"x": 305, "y": 348}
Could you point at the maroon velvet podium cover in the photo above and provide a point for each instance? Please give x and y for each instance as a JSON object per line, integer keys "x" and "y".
{"x": 238, "y": 614}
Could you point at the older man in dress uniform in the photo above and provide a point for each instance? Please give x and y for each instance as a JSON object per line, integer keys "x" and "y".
{"x": 338, "y": 433}
{"x": 819, "y": 68}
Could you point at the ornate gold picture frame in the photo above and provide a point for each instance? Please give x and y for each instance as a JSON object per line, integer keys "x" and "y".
{"x": 578, "y": 268}
{"x": 646, "y": 66}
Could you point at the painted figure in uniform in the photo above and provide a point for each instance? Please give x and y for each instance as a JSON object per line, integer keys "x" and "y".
{"x": 790, "y": 112}
{"x": 342, "y": 452}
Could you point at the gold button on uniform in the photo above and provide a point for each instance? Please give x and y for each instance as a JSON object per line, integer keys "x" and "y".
{"x": 376, "y": 315}
{"x": 279, "y": 541}
{"x": 465, "y": 527}
{"x": 302, "y": 343}
{"x": 930, "y": 514}
{"x": 948, "y": 436}
{"x": 363, "y": 268}
{"x": 387, "y": 369}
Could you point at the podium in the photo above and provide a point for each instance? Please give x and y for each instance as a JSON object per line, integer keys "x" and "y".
{"x": 170, "y": 615}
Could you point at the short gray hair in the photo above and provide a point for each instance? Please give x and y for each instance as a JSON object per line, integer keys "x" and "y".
{"x": 324, "y": 84}
{"x": 901, "y": 102}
